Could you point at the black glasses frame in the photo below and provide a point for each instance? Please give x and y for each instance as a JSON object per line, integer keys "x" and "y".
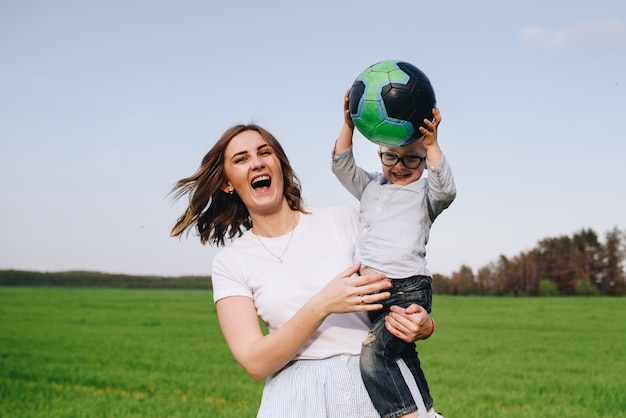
{"x": 395, "y": 157}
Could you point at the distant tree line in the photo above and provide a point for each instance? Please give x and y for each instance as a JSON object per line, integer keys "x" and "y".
{"x": 96, "y": 279}
{"x": 580, "y": 264}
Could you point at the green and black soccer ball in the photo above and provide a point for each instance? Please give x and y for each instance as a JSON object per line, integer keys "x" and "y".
{"x": 389, "y": 101}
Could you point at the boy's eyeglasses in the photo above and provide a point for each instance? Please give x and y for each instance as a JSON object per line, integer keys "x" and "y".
{"x": 409, "y": 161}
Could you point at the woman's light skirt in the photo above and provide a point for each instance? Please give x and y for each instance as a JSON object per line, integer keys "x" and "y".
{"x": 330, "y": 387}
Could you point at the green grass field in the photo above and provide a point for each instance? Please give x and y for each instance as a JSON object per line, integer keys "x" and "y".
{"x": 159, "y": 353}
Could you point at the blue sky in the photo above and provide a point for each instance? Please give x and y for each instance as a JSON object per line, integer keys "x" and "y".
{"x": 105, "y": 104}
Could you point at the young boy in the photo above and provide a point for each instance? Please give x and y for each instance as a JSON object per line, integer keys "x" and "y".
{"x": 397, "y": 209}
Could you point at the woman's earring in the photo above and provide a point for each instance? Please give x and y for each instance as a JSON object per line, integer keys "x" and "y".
{"x": 231, "y": 190}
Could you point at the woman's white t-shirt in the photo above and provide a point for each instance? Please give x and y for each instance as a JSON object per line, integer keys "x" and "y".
{"x": 322, "y": 246}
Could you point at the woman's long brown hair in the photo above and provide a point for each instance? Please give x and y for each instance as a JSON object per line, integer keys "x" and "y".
{"x": 217, "y": 214}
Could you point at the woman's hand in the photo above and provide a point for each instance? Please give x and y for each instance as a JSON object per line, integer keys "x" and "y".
{"x": 410, "y": 324}
{"x": 348, "y": 292}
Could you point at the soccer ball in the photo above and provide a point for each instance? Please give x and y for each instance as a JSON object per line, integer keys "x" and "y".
{"x": 389, "y": 101}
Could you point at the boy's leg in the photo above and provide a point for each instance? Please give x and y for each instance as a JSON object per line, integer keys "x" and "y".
{"x": 417, "y": 290}
{"x": 381, "y": 374}
{"x": 411, "y": 359}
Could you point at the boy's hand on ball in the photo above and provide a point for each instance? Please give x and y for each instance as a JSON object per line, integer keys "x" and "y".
{"x": 346, "y": 110}
{"x": 430, "y": 131}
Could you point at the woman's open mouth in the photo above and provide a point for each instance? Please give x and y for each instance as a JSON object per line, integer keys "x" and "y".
{"x": 261, "y": 181}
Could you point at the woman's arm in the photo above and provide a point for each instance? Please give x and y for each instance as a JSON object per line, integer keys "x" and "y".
{"x": 261, "y": 355}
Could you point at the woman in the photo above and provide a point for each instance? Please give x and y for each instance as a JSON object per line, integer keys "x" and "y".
{"x": 280, "y": 268}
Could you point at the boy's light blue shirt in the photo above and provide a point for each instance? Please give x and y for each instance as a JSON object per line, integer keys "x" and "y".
{"x": 395, "y": 220}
